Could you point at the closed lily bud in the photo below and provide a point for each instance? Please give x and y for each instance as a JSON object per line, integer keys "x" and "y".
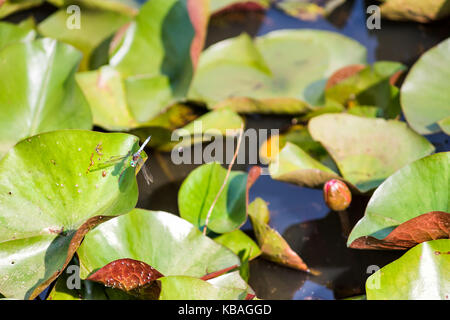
{"x": 337, "y": 195}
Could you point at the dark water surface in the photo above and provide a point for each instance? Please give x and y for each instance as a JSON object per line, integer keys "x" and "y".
{"x": 300, "y": 214}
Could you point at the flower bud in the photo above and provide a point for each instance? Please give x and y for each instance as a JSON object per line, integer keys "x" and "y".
{"x": 337, "y": 195}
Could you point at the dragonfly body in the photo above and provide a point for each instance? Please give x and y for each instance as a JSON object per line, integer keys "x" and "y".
{"x": 135, "y": 162}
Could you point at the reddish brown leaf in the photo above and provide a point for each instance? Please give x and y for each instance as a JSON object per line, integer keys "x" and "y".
{"x": 126, "y": 275}
{"x": 426, "y": 227}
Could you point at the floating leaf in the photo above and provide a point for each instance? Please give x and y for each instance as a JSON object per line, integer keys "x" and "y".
{"x": 168, "y": 243}
{"x": 189, "y": 288}
{"x": 366, "y": 150}
{"x": 308, "y": 9}
{"x": 199, "y": 190}
{"x": 428, "y": 226}
{"x": 11, "y": 33}
{"x": 95, "y": 26}
{"x": 418, "y": 188}
{"x": 272, "y": 244}
{"x": 368, "y": 87}
{"x": 425, "y": 94}
{"x": 49, "y": 202}
{"x": 287, "y": 64}
{"x": 132, "y": 276}
{"x": 420, "y": 11}
{"x": 293, "y": 165}
{"x": 420, "y": 274}
{"x": 39, "y": 92}
{"x": 240, "y": 243}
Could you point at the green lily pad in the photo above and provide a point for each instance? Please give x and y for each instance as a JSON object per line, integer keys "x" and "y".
{"x": 368, "y": 150}
{"x": 294, "y": 165}
{"x": 168, "y": 243}
{"x": 287, "y": 64}
{"x": 95, "y": 26}
{"x": 272, "y": 244}
{"x": 189, "y": 288}
{"x": 39, "y": 92}
{"x": 370, "y": 87}
{"x": 420, "y": 11}
{"x": 422, "y": 273}
{"x": 418, "y": 188}
{"x": 49, "y": 201}
{"x": 425, "y": 94}
{"x": 199, "y": 190}
{"x": 240, "y": 243}
{"x": 11, "y": 33}
{"x": 445, "y": 125}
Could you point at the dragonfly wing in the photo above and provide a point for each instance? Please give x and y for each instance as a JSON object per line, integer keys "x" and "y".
{"x": 147, "y": 175}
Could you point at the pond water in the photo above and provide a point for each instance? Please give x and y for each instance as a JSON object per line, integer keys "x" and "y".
{"x": 300, "y": 214}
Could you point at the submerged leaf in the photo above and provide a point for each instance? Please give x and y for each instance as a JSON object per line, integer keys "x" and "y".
{"x": 420, "y": 11}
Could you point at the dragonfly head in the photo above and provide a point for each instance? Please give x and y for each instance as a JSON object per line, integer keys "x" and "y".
{"x": 133, "y": 163}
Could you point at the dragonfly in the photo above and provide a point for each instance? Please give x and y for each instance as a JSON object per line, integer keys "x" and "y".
{"x": 136, "y": 161}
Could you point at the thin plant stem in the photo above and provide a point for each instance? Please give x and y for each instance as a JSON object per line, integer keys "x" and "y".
{"x": 225, "y": 180}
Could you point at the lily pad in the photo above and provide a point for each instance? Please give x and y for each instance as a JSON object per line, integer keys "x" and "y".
{"x": 11, "y": 33}
{"x": 50, "y": 201}
{"x": 189, "y": 288}
{"x": 240, "y": 243}
{"x": 294, "y": 165}
{"x": 199, "y": 190}
{"x": 419, "y": 188}
{"x": 367, "y": 150}
{"x": 272, "y": 244}
{"x": 39, "y": 92}
{"x": 425, "y": 94}
{"x": 308, "y": 9}
{"x": 422, "y": 273}
{"x": 164, "y": 241}
{"x": 95, "y": 26}
{"x": 286, "y": 64}
{"x": 420, "y": 11}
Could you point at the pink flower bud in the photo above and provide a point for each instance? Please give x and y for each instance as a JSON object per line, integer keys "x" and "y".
{"x": 337, "y": 195}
